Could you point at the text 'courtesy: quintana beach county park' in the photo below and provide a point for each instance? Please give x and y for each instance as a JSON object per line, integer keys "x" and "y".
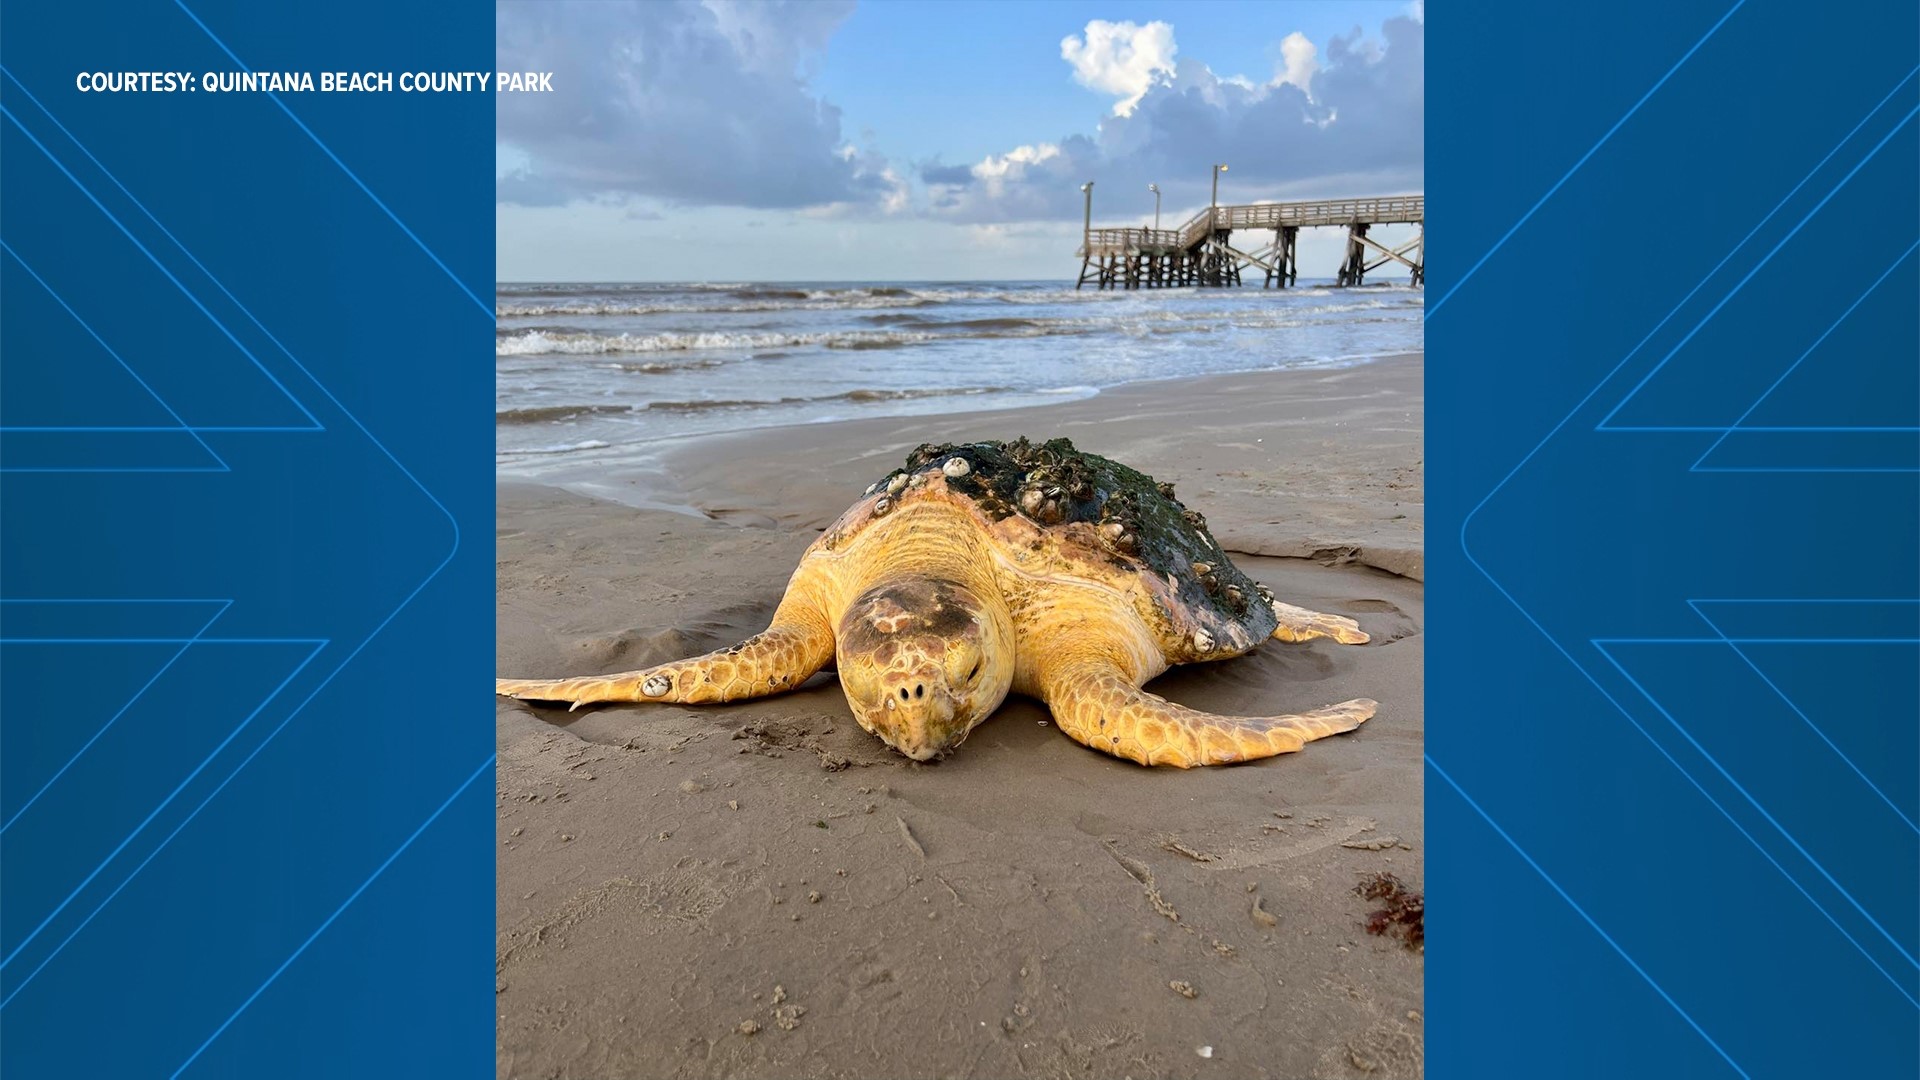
{"x": 309, "y": 82}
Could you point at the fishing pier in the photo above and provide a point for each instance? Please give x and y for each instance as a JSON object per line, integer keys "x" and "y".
{"x": 1202, "y": 252}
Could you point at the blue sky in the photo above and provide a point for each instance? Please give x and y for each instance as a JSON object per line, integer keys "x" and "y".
{"x": 1009, "y": 83}
{"x": 824, "y": 140}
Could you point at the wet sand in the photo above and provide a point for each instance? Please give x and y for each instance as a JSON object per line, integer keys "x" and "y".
{"x": 670, "y": 877}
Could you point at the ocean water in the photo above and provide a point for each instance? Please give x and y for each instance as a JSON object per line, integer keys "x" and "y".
{"x": 584, "y": 372}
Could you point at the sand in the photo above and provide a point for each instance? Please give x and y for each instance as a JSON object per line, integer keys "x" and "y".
{"x": 764, "y": 890}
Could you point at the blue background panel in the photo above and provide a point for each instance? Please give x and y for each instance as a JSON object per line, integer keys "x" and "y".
{"x": 1676, "y": 826}
{"x": 246, "y": 814}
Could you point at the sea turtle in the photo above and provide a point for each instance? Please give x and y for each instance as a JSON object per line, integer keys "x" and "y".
{"x": 988, "y": 567}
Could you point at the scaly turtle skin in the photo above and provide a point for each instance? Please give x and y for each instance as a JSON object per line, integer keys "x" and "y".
{"x": 996, "y": 567}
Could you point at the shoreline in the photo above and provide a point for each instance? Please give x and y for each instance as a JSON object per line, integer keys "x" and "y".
{"x": 1321, "y": 528}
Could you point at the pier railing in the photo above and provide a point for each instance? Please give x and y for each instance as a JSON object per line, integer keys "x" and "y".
{"x": 1134, "y": 241}
{"x": 1388, "y": 210}
{"x": 1391, "y": 210}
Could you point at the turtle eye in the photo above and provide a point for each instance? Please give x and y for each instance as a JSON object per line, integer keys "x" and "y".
{"x": 975, "y": 673}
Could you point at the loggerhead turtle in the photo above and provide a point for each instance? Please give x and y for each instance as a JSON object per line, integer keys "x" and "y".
{"x": 989, "y": 567}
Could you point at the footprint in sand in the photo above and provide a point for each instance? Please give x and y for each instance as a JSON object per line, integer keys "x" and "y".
{"x": 1383, "y": 620}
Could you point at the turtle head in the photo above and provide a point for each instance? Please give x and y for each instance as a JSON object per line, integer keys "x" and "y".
{"x": 923, "y": 660}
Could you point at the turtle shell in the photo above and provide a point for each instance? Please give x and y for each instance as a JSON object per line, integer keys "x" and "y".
{"x": 1103, "y": 521}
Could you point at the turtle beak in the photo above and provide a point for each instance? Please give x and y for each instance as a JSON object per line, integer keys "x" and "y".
{"x": 919, "y": 712}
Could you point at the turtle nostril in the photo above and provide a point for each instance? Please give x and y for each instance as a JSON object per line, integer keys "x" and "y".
{"x": 903, "y": 693}
{"x": 919, "y": 691}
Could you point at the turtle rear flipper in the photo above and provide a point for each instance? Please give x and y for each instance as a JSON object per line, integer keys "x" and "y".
{"x": 1299, "y": 624}
{"x": 1099, "y": 706}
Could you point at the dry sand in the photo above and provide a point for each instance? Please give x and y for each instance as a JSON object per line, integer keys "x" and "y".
{"x": 672, "y": 878}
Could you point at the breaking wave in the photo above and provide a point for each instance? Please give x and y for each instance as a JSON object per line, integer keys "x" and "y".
{"x": 582, "y": 343}
{"x": 550, "y": 413}
{"x": 546, "y": 413}
{"x": 721, "y": 298}
{"x": 564, "y": 448}
{"x": 528, "y": 302}
{"x": 905, "y": 329}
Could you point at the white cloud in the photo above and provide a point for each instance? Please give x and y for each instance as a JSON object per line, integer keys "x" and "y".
{"x": 1343, "y": 118}
{"x": 994, "y": 170}
{"x": 899, "y": 194}
{"x": 1299, "y": 59}
{"x": 1123, "y": 58}
{"x": 698, "y": 103}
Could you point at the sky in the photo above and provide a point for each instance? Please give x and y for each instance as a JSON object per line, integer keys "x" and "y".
{"x": 824, "y": 140}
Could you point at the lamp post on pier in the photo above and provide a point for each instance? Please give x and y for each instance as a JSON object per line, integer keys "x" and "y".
{"x": 1217, "y": 170}
{"x": 1086, "y": 239}
{"x": 1155, "y": 188}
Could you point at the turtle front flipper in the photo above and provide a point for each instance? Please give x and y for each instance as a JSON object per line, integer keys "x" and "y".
{"x": 1096, "y": 704}
{"x": 773, "y": 661}
{"x": 1299, "y": 624}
